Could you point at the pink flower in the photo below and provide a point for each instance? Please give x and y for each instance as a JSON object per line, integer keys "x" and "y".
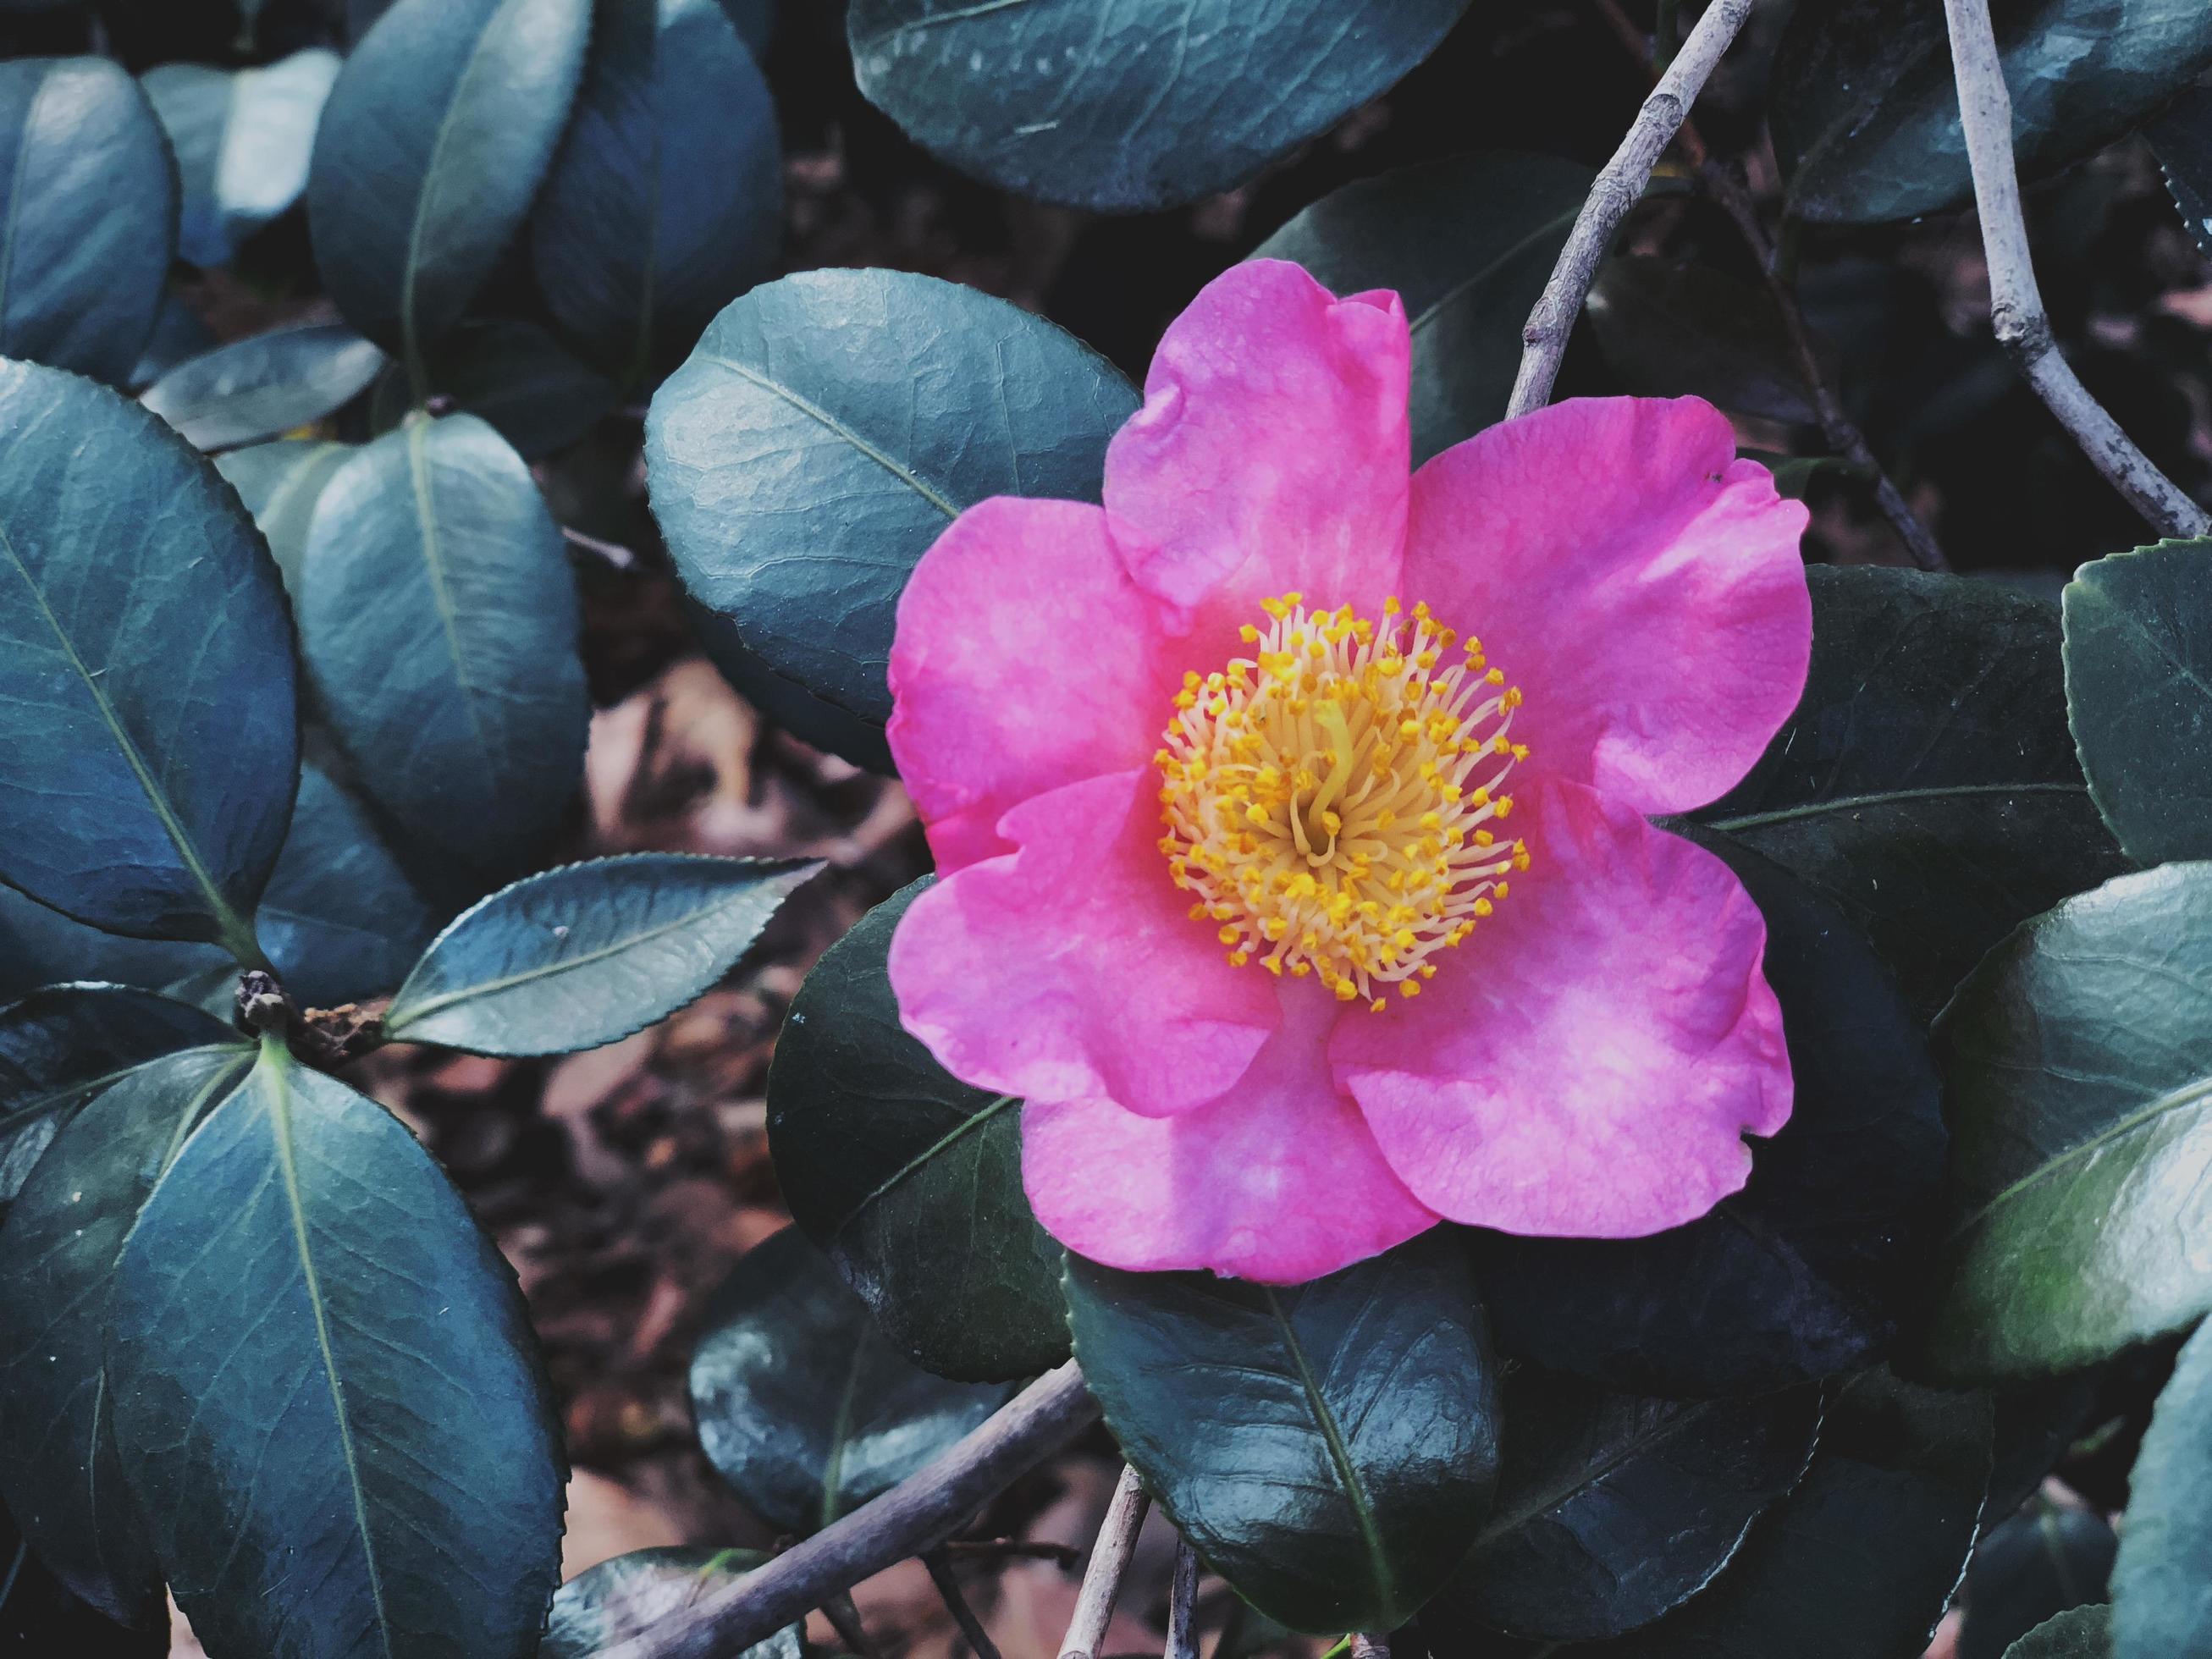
{"x": 1300, "y": 919}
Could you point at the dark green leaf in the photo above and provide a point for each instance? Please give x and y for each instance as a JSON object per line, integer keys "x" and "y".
{"x": 907, "y": 1178}
{"x": 38, "y": 1616}
{"x": 785, "y": 702}
{"x": 584, "y": 955}
{"x": 2078, "y": 1064}
{"x": 242, "y": 139}
{"x": 327, "y": 1398}
{"x": 149, "y": 740}
{"x": 1329, "y": 1448}
{"x": 178, "y": 333}
{"x": 1130, "y": 109}
{"x": 58, "y": 1463}
{"x": 61, "y": 1045}
{"x": 342, "y": 919}
{"x": 2162, "y": 1584}
{"x": 1805, "y": 1273}
{"x": 2139, "y": 694}
{"x": 1927, "y": 786}
{"x": 2084, "y": 1633}
{"x": 1859, "y": 1561}
{"x": 1866, "y": 111}
{"x": 621, "y": 1598}
{"x": 434, "y": 140}
{"x": 38, "y": 946}
{"x": 540, "y": 395}
{"x": 256, "y": 388}
{"x": 2038, "y": 1421}
{"x": 87, "y": 216}
{"x": 827, "y": 429}
{"x": 2031, "y": 1568}
{"x": 755, "y": 21}
{"x": 802, "y": 1405}
{"x": 665, "y": 201}
{"x": 437, "y": 615}
{"x": 1612, "y": 1508}
{"x": 1467, "y": 243}
{"x": 1670, "y": 328}
{"x": 2182, "y": 136}
{"x": 280, "y": 483}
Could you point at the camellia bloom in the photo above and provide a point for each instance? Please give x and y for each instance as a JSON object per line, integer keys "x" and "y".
{"x": 1291, "y": 811}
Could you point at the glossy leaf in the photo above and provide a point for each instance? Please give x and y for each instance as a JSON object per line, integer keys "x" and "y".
{"x": 1468, "y": 243}
{"x": 434, "y": 142}
{"x": 1806, "y": 1272}
{"x": 907, "y": 1178}
{"x": 342, "y": 919}
{"x": 2182, "y": 138}
{"x": 149, "y": 740}
{"x": 1329, "y": 1449}
{"x": 540, "y": 395}
{"x": 617, "y": 1599}
{"x": 2162, "y": 1583}
{"x": 58, "y": 1463}
{"x": 1860, "y": 1560}
{"x": 280, "y": 483}
{"x": 2038, "y": 1422}
{"x": 1927, "y": 786}
{"x": 1866, "y": 113}
{"x": 1670, "y": 329}
{"x": 377, "y": 1470}
{"x": 2078, "y": 1062}
{"x": 39, "y": 1615}
{"x": 40, "y": 947}
{"x": 665, "y": 201}
{"x": 178, "y": 333}
{"x": 62, "y": 1044}
{"x": 241, "y": 139}
{"x": 265, "y": 385}
{"x": 2139, "y": 694}
{"x": 439, "y": 619}
{"x": 587, "y": 954}
{"x": 87, "y": 216}
{"x": 2029, "y": 1568}
{"x": 827, "y": 429}
{"x": 785, "y": 702}
{"x": 1612, "y": 1508}
{"x": 804, "y": 1407}
{"x": 755, "y": 21}
{"x": 2084, "y": 1633}
{"x": 1123, "y": 110}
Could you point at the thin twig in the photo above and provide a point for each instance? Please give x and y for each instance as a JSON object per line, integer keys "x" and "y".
{"x": 1182, "y": 1602}
{"x": 613, "y": 552}
{"x": 919, "y": 1514}
{"x": 2017, "y": 303}
{"x": 1618, "y": 187}
{"x": 1110, "y": 1559}
{"x": 845, "y": 1618}
{"x": 1013, "y": 1549}
{"x": 1366, "y": 1645}
{"x": 1842, "y": 433}
{"x": 955, "y": 1603}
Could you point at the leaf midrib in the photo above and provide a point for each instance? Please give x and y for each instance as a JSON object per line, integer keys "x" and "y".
{"x": 1499, "y": 1524}
{"x": 1884, "y": 798}
{"x": 434, "y": 561}
{"x": 237, "y": 934}
{"x": 280, "y": 1119}
{"x": 1452, "y": 294}
{"x": 904, "y": 475}
{"x": 403, "y": 1016}
{"x": 912, "y": 1166}
{"x": 1348, "y": 1474}
{"x": 2173, "y": 1100}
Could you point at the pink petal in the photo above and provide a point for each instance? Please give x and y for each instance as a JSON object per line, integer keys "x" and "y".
{"x": 1071, "y": 969}
{"x": 1025, "y": 659}
{"x": 1586, "y": 1063}
{"x": 1641, "y": 585}
{"x": 1279, "y": 1180}
{"x": 1273, "y": 451}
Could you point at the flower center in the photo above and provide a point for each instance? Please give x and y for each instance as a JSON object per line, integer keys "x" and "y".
{"x": 1331, "y": 800}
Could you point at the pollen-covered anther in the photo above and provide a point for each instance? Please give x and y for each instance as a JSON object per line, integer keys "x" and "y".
{"x": 1331, "y": 800}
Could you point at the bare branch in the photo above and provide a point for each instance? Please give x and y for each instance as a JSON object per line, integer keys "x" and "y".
{"x": 1618, "y": 187}
{"x": 1182, "y": 1603}
{"x": 1110, "y": 1559}
{"x": 955, "y": 1603}
{"x": 2016, "y": 304}
{"x": 845, "y": 1618}
{"x": 917, "y": 1515}
{"x": 1013, "y": 1549}
{"x": 1366, "y": 1645}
